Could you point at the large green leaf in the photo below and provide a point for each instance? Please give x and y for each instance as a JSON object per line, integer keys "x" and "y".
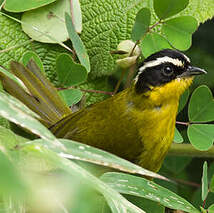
{"x": 45, "y": 24}
{"x": 201, "y": 106}
{"x": 167, "y": 8}
{"x": 201, "y": 136}
{"x": 141, "y": 187}
{"x": 179, "y": 31}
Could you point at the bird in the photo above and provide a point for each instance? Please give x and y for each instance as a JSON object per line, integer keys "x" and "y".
{"x": 136, "y": 124}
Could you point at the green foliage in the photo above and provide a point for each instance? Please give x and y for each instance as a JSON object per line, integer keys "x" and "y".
{"x": 77, "y": 43}
{"x": 104, "y": 26}
{"x": 136, "y": 186}
{"x": 71, "y": 96}
{"x": 69, "y": 73}
{"x": 45, "y": 24}
{"x": 201, "y": 107}
{"x": 141, "y": 25}
{"x": 178, "y": 137}
{"x": 152, "y": 43}
{"x": 32, "y": 55}
{"x": 183, "y": 100}
{"x": 204, "y": 181}
{"x": 179, "y": 31}
{"x": 166, "y": 8}
{"x": 201, "y": 136}
{"x": 22, "y": 5}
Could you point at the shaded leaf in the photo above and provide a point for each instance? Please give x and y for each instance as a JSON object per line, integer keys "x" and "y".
{"x": 141, "y": 25}
{"x": 204, "y": 181}
{"x": 183, "y": 100}
{"x": 45, "y": 24}
{"x": 23, "y": 5}
{"x": 71, "y": 96}
{"x": 201, "y": 136}
{"x": 178, "y": 137}
{"x": 32, "y": 55}
{"x": 77, "y": 43}
{"x": 176, "y": 164}
{"x": 178, "y": 31}
{"x": 212, "y": 184}
{"x": 153, "y": 42}
{"x": 141, "y": 187}
{"x": 167, "y": 8}
{"x": 69, "y": 73}
{"x": 201, "y": 106}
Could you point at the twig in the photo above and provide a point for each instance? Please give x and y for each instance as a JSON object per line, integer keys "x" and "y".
{"x": 183, "y": 123}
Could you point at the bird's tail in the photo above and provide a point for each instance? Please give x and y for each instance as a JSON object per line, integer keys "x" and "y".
{"x": 37, "y": 92}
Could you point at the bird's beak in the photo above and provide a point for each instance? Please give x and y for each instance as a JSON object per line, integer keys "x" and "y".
{"x": 191, "y": 71}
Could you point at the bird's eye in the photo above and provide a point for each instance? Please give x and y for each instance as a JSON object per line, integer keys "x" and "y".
{"x": 167, "y": 71}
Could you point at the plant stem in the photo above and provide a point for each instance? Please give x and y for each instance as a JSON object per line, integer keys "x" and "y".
{"x": 119, "y": 82}
{"x": 190, "y": 151}
{"x": 183, "y": 123}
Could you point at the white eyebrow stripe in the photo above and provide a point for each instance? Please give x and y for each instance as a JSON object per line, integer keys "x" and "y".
{"x": 186, "y": 58}
{"x": 159, "y": 61}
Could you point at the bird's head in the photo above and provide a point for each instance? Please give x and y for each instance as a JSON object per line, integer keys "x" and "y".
{"x": 168, "y": 72}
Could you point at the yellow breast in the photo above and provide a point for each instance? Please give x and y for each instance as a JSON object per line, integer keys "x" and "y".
{"x": 155, "y": 116}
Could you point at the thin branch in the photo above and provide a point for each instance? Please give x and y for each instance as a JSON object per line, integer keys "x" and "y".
{"x": 188, "y": 183}
{"x": 183, "y": 123}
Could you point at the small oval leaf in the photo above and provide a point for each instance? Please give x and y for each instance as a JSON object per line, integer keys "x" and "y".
{"x": 201, "y": 106}
{"x": 178, "y": 137}
{"x": 201, "y": 136}
{"x": 141, "y": 25}
{"x": 179, "y": 31}
{"x": 71, "y": 96}
{"x": 183, "y": 100}
{"x": 167, "y": 8}
{"x": 69, "y": 73}
{"x": 204, "y": 181}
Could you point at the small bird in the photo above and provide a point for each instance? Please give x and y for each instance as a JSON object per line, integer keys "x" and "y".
{"x": 136, "y": 124}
